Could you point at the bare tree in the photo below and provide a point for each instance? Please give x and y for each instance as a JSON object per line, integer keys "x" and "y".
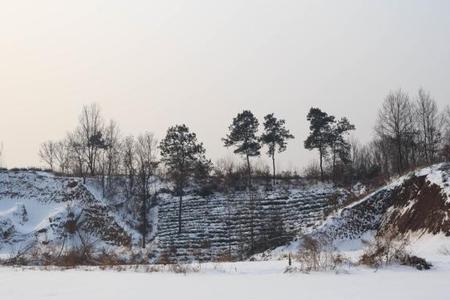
{"x": 62, "y": 155}
{"x": 146, "y": 148}
{"x": 394, "y": 125}
{"x": 112, "y": 139}
{"x": 445, "y": 151}
{"x": 47, "y": 154}
{"x": 90, "y": 132}
{"x": 129, "y": 164}
{"x": 76, "y": 154}
{"x": 429, "y": 123}
{"x": 110, "y": 156}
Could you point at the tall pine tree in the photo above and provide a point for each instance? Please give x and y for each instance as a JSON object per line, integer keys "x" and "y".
{"x": 183, "y": 156}
{"x": 243, "y": 136}
{"x": 320, "y": 134}
{"x": 339, "y": 146}
{"x": 275, "y": 136}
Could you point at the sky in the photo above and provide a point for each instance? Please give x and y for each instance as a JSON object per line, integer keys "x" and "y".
{"x": 153, "y": 64}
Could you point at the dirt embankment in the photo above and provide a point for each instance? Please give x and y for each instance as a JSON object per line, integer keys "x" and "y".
{"x": 419, "y": 205}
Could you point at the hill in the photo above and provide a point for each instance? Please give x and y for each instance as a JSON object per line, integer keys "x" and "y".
{"x": 42, "y": 210}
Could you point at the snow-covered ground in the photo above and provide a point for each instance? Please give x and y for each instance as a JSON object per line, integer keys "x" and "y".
{"x": 264, "y": 279}
{"x": 247, "y": 280}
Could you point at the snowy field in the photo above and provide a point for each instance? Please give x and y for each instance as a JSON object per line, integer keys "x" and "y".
{"x": 259, "y": 280}
{"x": 242, "y": 280}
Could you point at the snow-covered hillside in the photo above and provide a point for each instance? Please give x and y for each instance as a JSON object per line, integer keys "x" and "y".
{"x": 415, "y": 203}
{"x": 416, "y": 207}
{"x": 38, "y": 208}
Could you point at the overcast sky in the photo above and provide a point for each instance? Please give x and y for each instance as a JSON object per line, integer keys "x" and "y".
{"x": 152, "y": 64}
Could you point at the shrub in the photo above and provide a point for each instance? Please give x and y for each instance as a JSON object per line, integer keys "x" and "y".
{"x": 390, "y": 248}
{"x": 317, "y": 254}
{"x": 387, "y": 249}
{"x": 415, "y": 262}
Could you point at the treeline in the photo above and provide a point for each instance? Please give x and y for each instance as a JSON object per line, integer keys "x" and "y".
{"x": 410, "y": 132}
{"x": 97, "y": 148}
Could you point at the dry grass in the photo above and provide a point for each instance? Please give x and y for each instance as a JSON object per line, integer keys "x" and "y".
{"x": 317, "y": 255}
{"x": 390, "y": 249}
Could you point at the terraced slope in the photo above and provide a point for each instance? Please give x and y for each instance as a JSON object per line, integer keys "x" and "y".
{"x": 221, "y": 227}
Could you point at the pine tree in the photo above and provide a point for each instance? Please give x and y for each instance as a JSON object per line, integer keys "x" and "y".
{"x": 320, "y": 133}
{"x": 243, "y": 136}
{"x": 339, "y": 146}
{"x": 183, "y": 156}
{"x": 275, "y": 136}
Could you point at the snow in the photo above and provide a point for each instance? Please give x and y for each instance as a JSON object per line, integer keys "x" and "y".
{"x": 37, "y": 213}
{"x": 242, "y": 280}
{"x": 258, "y": 280}
{"x": 436, "y": 176}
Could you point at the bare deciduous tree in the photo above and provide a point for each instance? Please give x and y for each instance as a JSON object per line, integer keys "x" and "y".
{"x": 62, "y": 155}
{"x": 76, "y": 154}
{"x": 90, "y": 132}
{"x": 47, "y": 154}
{"x": 429, "y": 123}
{"x": 146, "y": 148}
{"x": 129, "y": 164}
{"x": 110, "y": 156}
{"x": 394, "y": 125}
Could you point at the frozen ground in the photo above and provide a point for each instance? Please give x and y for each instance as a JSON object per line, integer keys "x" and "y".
{"x": 244, "y": 280}
{"x": 259, "y": 280}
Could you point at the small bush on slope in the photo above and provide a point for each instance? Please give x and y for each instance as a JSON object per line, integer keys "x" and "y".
{"x": 317, "y": 254}
{"x": 390, "y": 249}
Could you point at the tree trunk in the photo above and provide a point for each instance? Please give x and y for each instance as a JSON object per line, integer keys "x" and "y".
{"x": 252, "y": 237}
{"x": 400, "y": 156}
{"x": 334, "y": 165}
{"x": 180, "y": 206}
{"x": 249, "y": 170}
{"x": 321, "y": 163}
{"x": 274, "y": 170}
{"x": 103, "y": 185}
{"x": 252, "y": 223}
{"x": 144, "y": 219}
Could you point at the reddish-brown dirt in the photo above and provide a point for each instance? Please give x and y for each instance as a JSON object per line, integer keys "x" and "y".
{"x": 419, "y": 205}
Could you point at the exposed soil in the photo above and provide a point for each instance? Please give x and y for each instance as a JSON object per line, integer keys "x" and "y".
{"x": 419, "y": 205}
